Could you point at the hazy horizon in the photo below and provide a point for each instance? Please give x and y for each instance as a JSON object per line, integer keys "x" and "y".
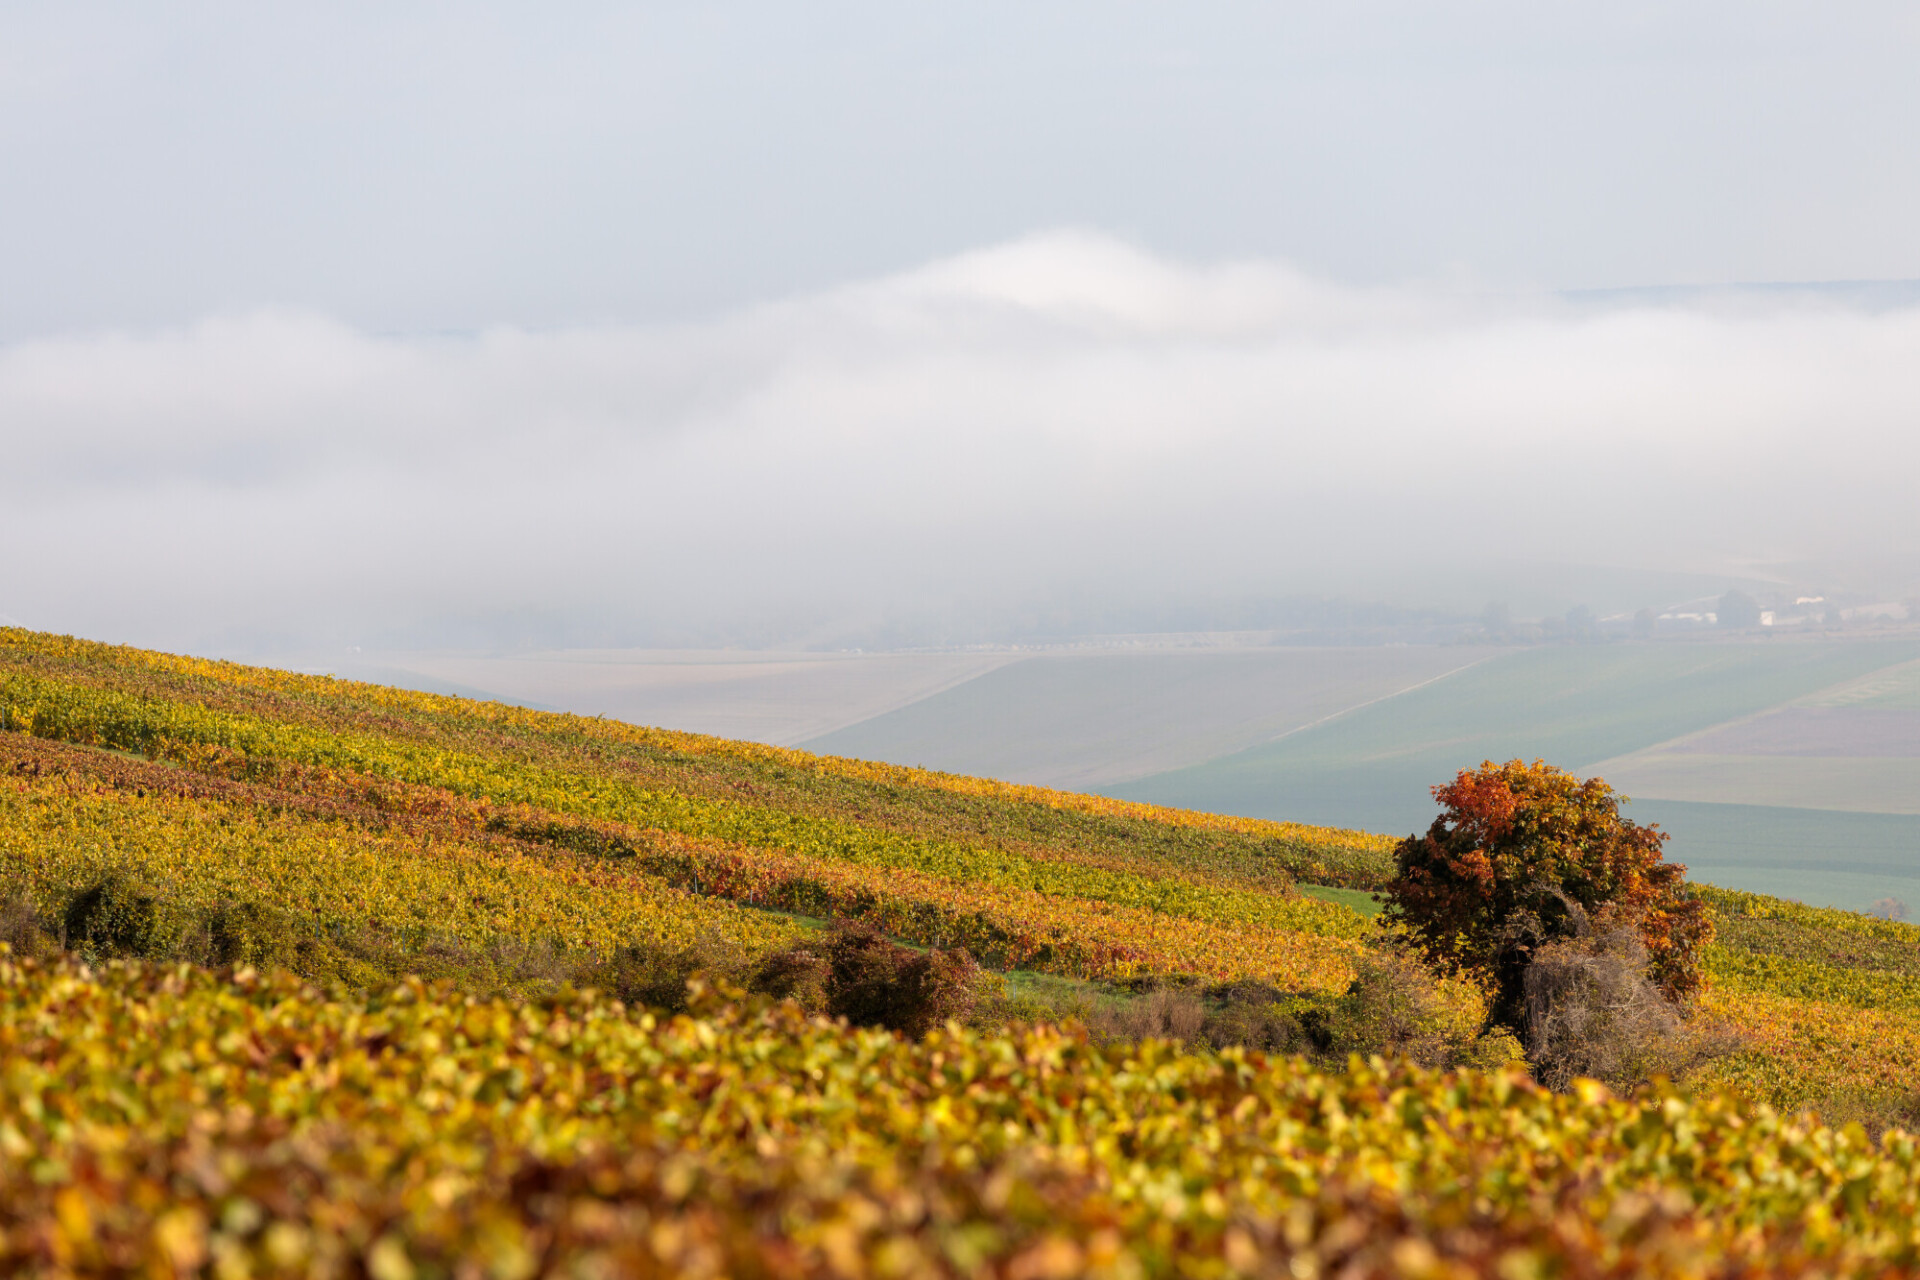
{"x": 1063, "y": 422}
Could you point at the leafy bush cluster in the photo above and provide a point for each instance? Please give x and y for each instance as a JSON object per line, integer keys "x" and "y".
{"x": 871, "y": 980}
{"x": 859, "y": 974}
{"x": 1395, "y": 1006}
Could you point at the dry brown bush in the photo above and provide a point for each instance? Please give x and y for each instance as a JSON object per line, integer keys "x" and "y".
{"x": 873, "y": 981}
{"x": 1592, "y": 1010}
{"x": 1163, "y": 1013}
{"x": 1256, "y": 1015}
{"x": 22, "y": 929}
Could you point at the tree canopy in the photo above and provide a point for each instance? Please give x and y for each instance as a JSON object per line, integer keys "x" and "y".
{"x": 1523, "y": 854}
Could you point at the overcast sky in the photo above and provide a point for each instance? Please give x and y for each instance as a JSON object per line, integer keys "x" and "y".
{"x": 452, "y": 166}
{"x": 325, "y": 321}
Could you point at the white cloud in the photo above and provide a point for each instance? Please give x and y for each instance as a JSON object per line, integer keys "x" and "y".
{"x": 1064, "y": 408}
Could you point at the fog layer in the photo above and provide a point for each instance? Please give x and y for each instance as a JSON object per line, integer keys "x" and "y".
{"x": 1060, "y": 417}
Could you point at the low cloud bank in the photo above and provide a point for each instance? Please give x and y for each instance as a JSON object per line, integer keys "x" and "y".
{"x": 1063, "y": 417}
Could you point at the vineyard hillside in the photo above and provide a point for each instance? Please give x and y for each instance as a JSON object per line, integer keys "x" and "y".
{"x": 310, "y": 976}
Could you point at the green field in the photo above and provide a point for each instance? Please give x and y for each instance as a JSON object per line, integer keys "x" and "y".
{"x": 1895, "y": 688}
{"x": 1821, "y": 857}
{"x": 1572, "y": 705}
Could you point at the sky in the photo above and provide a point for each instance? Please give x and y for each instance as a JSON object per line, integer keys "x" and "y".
{"x": 729, "y": 321}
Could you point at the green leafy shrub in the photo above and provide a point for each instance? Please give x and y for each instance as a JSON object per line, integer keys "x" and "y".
{"x": 118, "y": 915}
{"x": 1495, "y": 1049}
{"x": 250, "y": 933}
{"x": 1393, "y": 1008}
{"x": 1257, "y": 1015}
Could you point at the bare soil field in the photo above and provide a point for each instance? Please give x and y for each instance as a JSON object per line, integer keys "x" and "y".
{"x": 1858, "y": 783}
{"x": 1811, "y": 731}
{"x": 1851, "y": 746}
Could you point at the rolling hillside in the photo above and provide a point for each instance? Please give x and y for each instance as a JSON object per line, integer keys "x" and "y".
{"x": 1768, "y": 779}
{"x": 168, "y": 1117}
{"x": 780, "y": 698}
{"x": 400, "y": 831}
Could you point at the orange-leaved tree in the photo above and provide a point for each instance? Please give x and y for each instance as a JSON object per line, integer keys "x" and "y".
{"x": 1526, "y": 853}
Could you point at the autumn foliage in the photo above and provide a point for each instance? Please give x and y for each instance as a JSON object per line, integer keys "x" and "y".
{"x": 1525, "y": 854}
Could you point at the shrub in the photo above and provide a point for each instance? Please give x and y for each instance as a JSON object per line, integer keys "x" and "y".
{"x": 863, "y": 974}
{"x": 1398, "y": 1006}
{"x": 22, "y": 929}
{"x": 1393, "y": 1008}
{"x": 1495, "y": 1049}
{"x": 1526, "y": 854}
{"x": 248, "y": 933}
{"x": 118, "y": 916}
{"x": 873, "y": 981}
{"x": 1254, "y": 1015}
{"x": 656, "y": 975}
{"x": 1592, "y": 1011}
{"x": 944, "y": 985}
{"x": 795, "y": 974}
{"x": 1164, "y": 1013}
